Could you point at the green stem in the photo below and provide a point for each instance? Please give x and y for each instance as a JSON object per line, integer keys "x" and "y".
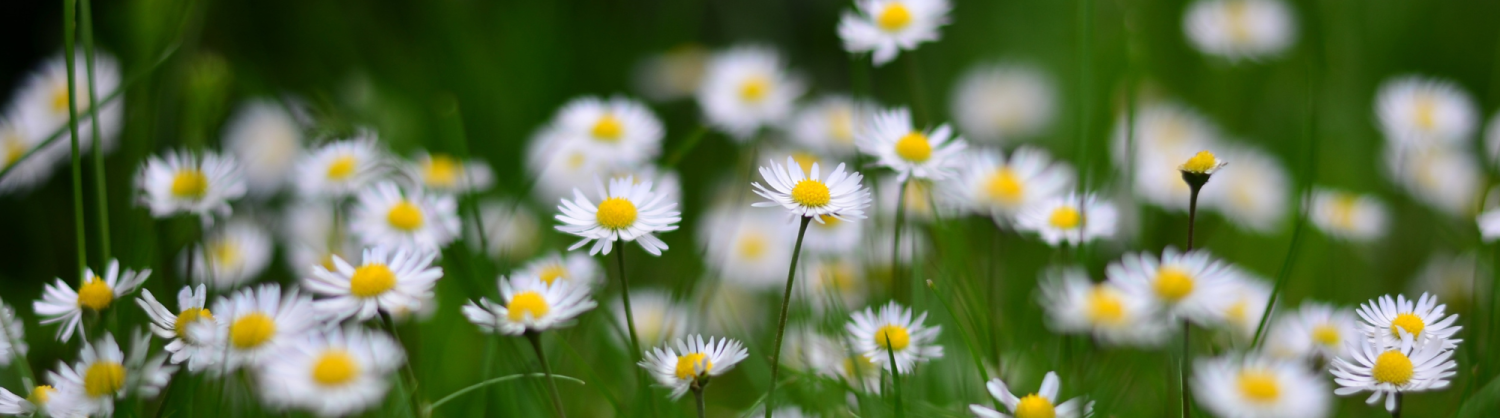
{"x": 1192, "y": 214}
{"x": 968, "y": 340}
{"x": 920, "y": 112}
{"x": 536, "y": 343}
{"x": 101, "y": 195}
{"x": 896, "y": 240}
{"x": 786, "y": 301}
{"x": 69, "y": 29}
{"x": 482, "y": 384}
{"x": 635, "y": 342}
{"x": 1183, "y": 369}
{"x": 895, "y": 376}
{"x": 698, "y": 395}
{"x": 687, "y": 146}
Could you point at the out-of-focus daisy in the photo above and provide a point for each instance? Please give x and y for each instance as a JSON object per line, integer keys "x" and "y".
{"x": 103, "y": 373}
{"x": 340, "y": 168}
{"x": 572, "y": 268}
{"x": 252, "y": 325}
{"x": 313, "y": 235}
{"x": 1489, "y": 225}
{"x": 179, "y": 327}
{"x": 267, "y": 141}
{"x": 388, "y": 215}
{"x": 332, "y": 373}
{"x": 1254, "y": 195}
{"x": 616, "y": 131}
{"x": 559, "y": 165}
{"x": 15, "y": 141}
{"x": 389, "y": 280}
{"x": 747, "y": 247}
{"x": 1069, "y": 218}
{"x": 828, "y": 125}
{"x": 745, "y": 88}
{"x": 994, "y": 185}
{"x": 923, "y": 200}
{"x": 1315, "y": 330}
{"x": 1244, "y": 305}
{"x": 1042, "y": 403}
{"x": 1416, "y": 111}
{"x": 528, "y": 304}
{"x": 1444, "y": 178}
{"x": 657, "y": 318}
{"x": 511, "y": 230}
{"x": 41, "y": 102}
{"x": 1492, "y": 139}
{"x": 61, "y": 304}
{"x": 188, "y": 182}
{"x": 1450, "y": 277}
{"x": 1387, "y": 370}
{"x": 834, "y": 237}
{"x": 445, "y": 173}
{"x": 1385, "y": 319}
{"x": 12, "y": 335}
{"x": 840, "y": 195}
{"x": 679, "y": 366}
{"x": 1076, "y": 304}
{"x": 1347, "y": 215}
{"x": 1240, "y": 29}
{"x": 879, "y": 334}
{"x": 730, "y": 308}
{"x": 886, "y": 27}
{"x": 34, "y": 404}
{"x": 627, "y": 211}
{"x": 1189, "y": 285}
{"x": 895, "y": 143}
{"x": 830, "y": 282}
{"x": 1259, "y": 387}
{"x": 231, "y": 256}
{"x": 1003, "y": 102}
{"x": 1164, "y": 135}
{"x": 672, "y": 74}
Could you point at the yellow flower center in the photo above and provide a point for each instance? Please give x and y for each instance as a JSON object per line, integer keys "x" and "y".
{"x": 405, "y": 216}
{"x": 841, "y": 125}
{"x": 189, "y": 184}
{"x": 688, "y": 365}
{"x": 524, "y": 303}
{"x": 608, "y": 128}
{"x": 41, "y": 394}
{"x": 371, "y": 280}
{"x": 1239, "y": 20}
{"x": 342, "y": 167}
{"x": 805, "y": 160}
{"x": 894, "y": 18}
{"x": 1035, "y": 406}
{"x": 1411, "y": 323}
{"x": 1259, "y": 386}
{"x": 553, "y": 272}
{"x": 914, "y": 147}
{"x": 1343, "y": 210}
{"x": 442, "y": 171}
{"x": 1065, "y": 217}
{"x": 12, "y": 150}
{"x": 829, "y": 222}
{"x": 335, "y": 367}
{"x": 251, "y": 330}
{"x": 60, "y": 98}
{"x": 616, "y": 213}
{"x": 1005, "y": 186}
{"x": 224, "y": 252}
{"x": 1236, "y": 311}
{"x": 892, "y": 337}
{"x": 1172, "y": 283}
{"x": 188, "y": 317}
{"x": 1425, "y": 112}
{"x": 752, "y": 245}
{"x": 1392, "y": 367}
{"x": 755, "y": 88}
{"x": 1327, "y": 335}
{"x": 95, "y": 294}
{"x": 103, "y": 378}
{"x": 811, "y": 193}
{"x": 1201, "y": 163}
{"x": 1105, "y": 307}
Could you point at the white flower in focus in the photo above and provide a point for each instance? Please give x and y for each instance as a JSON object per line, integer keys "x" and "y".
{"x": 1076, "y": 304}
{"x": 1255, "y": 194}
{"x": 179, "y": 327}
{"x": 395, "y": 281}
{"x": 1069, "y": 219}
{"x": 61, "y": 304}
{"x": 188, "y": 182}
{"x": 1387, "y": 370}
{"x": 679, "y": 365}
{"x": 657, "y": 317}
{"x": 840, "y": 195}
{"x": 994, "y": 185}
{"x": 332, "y": 373}
{"x": 340, "y": 168}
{"x": 529, "y": 305}
{"x": 252, "y": 325}
{"x": 886, "y": 27}
{"x": 1042, "y": 403}
{"x": 572, "y": 268}
{"x": 895, "y": 143}
{"x": 445, "y": 173}
{"x": 233, "y": 255}
{"x": 1254, "y": 386}
{"x": 745, "y": 88}
{"x": 1191, "y": 285}
{"x": 388, "y": 215}
{"x": 1385, "y": 320}
{"x": 828, "y": 125}
{"x": 616, "y": 131}
{"x": 1447, "y": 179}
{"x": 267, "y": 140}
{"x": 672, "y": 74}
{"x": 627, "y": 211}
{"x": 747, "y": 247}
{"x": 891, "y": 331}
{"x": 1349, "y": 216}
{"x": 1240, "y": 29}
{"x": 1419, "y": 112}
{"x": 1314, "y": 331}
{"x": 1003, "y": 102}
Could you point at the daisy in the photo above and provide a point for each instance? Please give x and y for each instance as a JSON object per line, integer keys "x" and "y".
{"x": 891, "y": 331}
{"x": 103, "y": 373}
{"x": 689, "y": 363}
{"x": 12, "y": 335}
{"x": 840, "y": 195}
{"x": 1450, "y": 277}
{"x": 1389, "y": 370}
{"x": 1076, "y": 304}
{"x": 1240, "y": 29}
{"x": 1189, "y": 285}
{"x": 388, "y": 215}
{"x": 573, "y": 268}
{"x": 529, "y": 305}
{"x": 15, "y": 141}
{"x": 331, "y": 373}
{"x": 617, "y": 131}
{"x": 1162, "y": 136}
{"x": 389, "y": 280}
{"x": 746, "y": 246}
{"x": 445, "y": 173}
{"x": 1447, "y": 179}
{"x": 627, "y": 211}
{"x": 834, "y": 237}
{"x": 41, "y": 101}
{"x": 1349, "y": 216}
{"x": 180, "y": 327}
{"x": 1259, "y": 387}
{"x": 834, "y": 282}
{"x": 731, "y": 308}
{"x": 1003, "y": 102}
{"x": 231, "y": 256}
{"x": 559, "y": 165}
{"x": 1069, "y": 219}
{"x": 672, "y": 74}
{"x": 511, "y": 230}
{"x": 923, "y": 200}
{"x": 1420, "y": 112}
{"x": 61, "y": 304}
{"x": 1316, "y": 331}
{"x": 828, "y": 125}
{"x": 1244, "y": 305}
{"x": 745, "y": 88}
{"x": 895, "y": 143}
{"x": 657, "y": 317}
{"x": 998, "y": 186}
{"x": 1204, "y": 163}
{"x": 1040, "y": 404}
{"x": 1384, "y": 320}
{"x": 252, "y": 325}
{"x": 186, "y": 182}
{"x": 1255, "y": 194}
{"x": 340, "y": 168}
{"x": 886, "y": 27}
{"x": 36, "y": 404}
{"x": 267, "y": 140}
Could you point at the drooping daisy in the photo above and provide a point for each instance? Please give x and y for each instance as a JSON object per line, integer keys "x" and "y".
{"x": 15, "y": 141}
{"x": 1387, "y": 370}
{"x": 627, "y": 211}
{"x": 528, "y": 304}
{"x": 1421, "y": 112}
{"x": 1252, "y": 386}
{"x": 1161, "y": 137}
{"x": 896, "y": 143}
{"x": 1040, "y": 404}
{"x": 335, "y": 372}
{"x": 657, "y": 318}
{"x": 388, "y": 215}
{"x": 1444, "y": 178}
{"x": 41, "y": 102}
{"x": 188, "y": 182}
{"x": 340, "y": 168}
{"x": 886, "y": 27}
{"x": 252, "y": 325}
{"x": 683, "y": 364}
{"x": 828, "y": 125}
{"x": 1255, "y": 194}
{"x": 103, "y": 373}
{"x": 572, "y": 268}
{"x": 994, "y": 185}
{"x": 1189, "y": 285}
{"x": 1244, "y": 305}
{"x": 185, "y": 346}
{"x": 745, "y": 88}
{"x": 1003, "y": 102}
{"x": 267, "y": 140}
{"x": 879, "y": 334}
{"x": 445, "y": 173}
{"x": 389, "y": 280}
{"x": 511, "y": 230}
{"x": 231, "y": 256}
{"x": 672, "y": 74}
{"x": 1349, "y": 216}
{"x": 1240, "y": 29}
{"x": 1384, "y": 319}
{"x": 616, "y": 131}
{"x": 61, "y": 304}
{"x": 840, "y": 195}
{"x": 1077, "y": 305}
{"x": 747, "y": 247}
{"x": 1315, "y": 330}
{"x": 1069, "y": 219}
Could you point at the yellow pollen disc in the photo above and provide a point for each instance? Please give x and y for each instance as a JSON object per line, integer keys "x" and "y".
{"x": 405, "y": 216}
{"x": 251, "y": 330}
{"x": 841, "y": 125}
{"x": 1005, "y": 186}
{"x": 95, "y": 294}
{"x": 1065, "y": 217}
{"x": 805, "y": 160}
{"x": 608, "y": 128}
{"x": 1035, "y": 406}
{"x": 189, "y": 184}
{"x": 754, "y": 89}
{"x": 1105, "y": 307}
{"x": 811, "y": 193}
{"x": 895, "y": 17}
{"x": 442, "y": 171}
{"x": 103, "y": 378}
{"x": 1411, "y": 323}
{"x": 553, "y": 272}
{"x": 1259, "y": 386}
{"x": 898, "y": 337}
{"x": 224, "y": 253}
{"x": 914, "y": 147}
{"x": 41, "y": 394}
{"x": 528, "y": 302}
{"x": 1425, "y": 112}
{"x": 1236, "y": 312}
{"x": 371, "y": 280}
{"x": 858, "y": 366}
{"x": 342, "y": 167}
{"x": 1327, "y": 335}
{"x": 60, "y": 98}
{"x": 1239, "y": 20}
{"x": 829, "y": 221}
{"x": 187, "y": 317}
{"x": 752, "y": 246}
{"x": 1172, "y": 283}
{"x": 11, "y": 150}
{"x": 1392, "y": 367}
{"x": 1344, "y": 206}
{"x": 1201, "y": 163}
{"x": 616, "y": 213}
{"x": 687, "y": 365}
{"x": 335, "y": 367}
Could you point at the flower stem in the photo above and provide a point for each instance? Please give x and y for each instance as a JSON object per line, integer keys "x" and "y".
{"x": 101, "y": 195}
{"x": 687, "y": 146}
{"x": 1192, "y": 215}
{"x": 1399, "y": 405}
{"x": 786, "y": 301}
{"x": 536, "y": 343}
{"x": 635, "y": 342}
{"x": 698, "y": 395}
{"x": 427, "y": 411}
{"x": 1183, "y": 369}
{"x": 70, "y": 26}
{"x": 890, "y": 352}
{"x": 896, "y": 240}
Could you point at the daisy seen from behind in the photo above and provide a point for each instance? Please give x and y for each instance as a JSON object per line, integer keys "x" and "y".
{"x": 1189, "y": 285}
{"x": 1390, "y": 370}
{"x": 253, "y": 324}
{"x": 1040, "y": 404}
{"x": 61, "y": 304}
{"x": 1069, "y": 219}
{"x": 745, "y": 88}
{"x": 182, "y": 328}
{"x": 885, "y": 27}
{"x": 390, "y": 280}
{"x": 189, "y": 182}
{"x": 925, "y": 154}
{"x": 1384, "y": 320}
{"x": 1254, "y": 386}
{"x": 333, "y": 372}
{"x": 690, "y": 363}
{"x": 392, "y": 216}
{"x": 891, "y": 331}
{"x": 627, "y": 211}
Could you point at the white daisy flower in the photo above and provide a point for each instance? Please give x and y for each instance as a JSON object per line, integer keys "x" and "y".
{"x": 388, "y": 215}
{"x": 617, "y": 131}
{"x": 340, "y": 168}
{"x": 1314, "y": 331}
{"x": 15, "y": 405}
{"x": 745, "y": 88}
{"x": 12, "y": 335}
{"x": 572, "y": 268}
{"x": 389, "y": 280}
{"x": 16, "y": 139}
{"x": 747, "y": 247}
{"x": 1042, "y": 403}
{"x": 1244, "y": 305}
{"x": 666, "y": 184}
{"x": 1240, "y": 29}
{"x": 1069, "y": 219}
{"x": 511, "y": 230}
{"x": 998, "y": 186}
{"x": 885, "y": 27}
{"x": 1164, "y": 135}
{"x": 253, "y": 325}
{"x": 445, "y": 173}
{"x": 840, "y": 195}
{"x": 1447, "y": 179}
{"x": 657, "y": 318}
{"x": 1259, "y": 387}
{"x": 1385, "y": 319}
{"x": 187, "y": 182}
{"x": 529, "y": 305}
{"x": 680, "y": 365}
{"x": 559, "y": 165}
{"x": 1190, "y": 285}
{"x": 1003, "y": 102}
{"x": 1420, "y": 112}
{"x": 834, "y": 237}
{"x": 1348, "y": 216}
{"x": 1450, "y": 277}
{"x": 41, "y": 101}
{"x": 1076, "y": 304}
{"x": 627, "y": 211}
{"x": 895, "y": 143}
{"x": 923, "y": 200}
{"x": 1387, "y": 370}
{"x": 103, "y": 373}
{"x": 61, "y": 304}
{"x": 313, "y": 235}
{"x": 828, "y": 125}
{"x": 879, "y": 334}
{"x": 332, "y": 373}
{"x": 233, "y": 255}
{"x": 1254, "y": 195}
{"x": 185, "y": 346}
{"x": 830, "y": 282}
{"x": 672, "y": 74}
{"x": 267, "y": 140}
